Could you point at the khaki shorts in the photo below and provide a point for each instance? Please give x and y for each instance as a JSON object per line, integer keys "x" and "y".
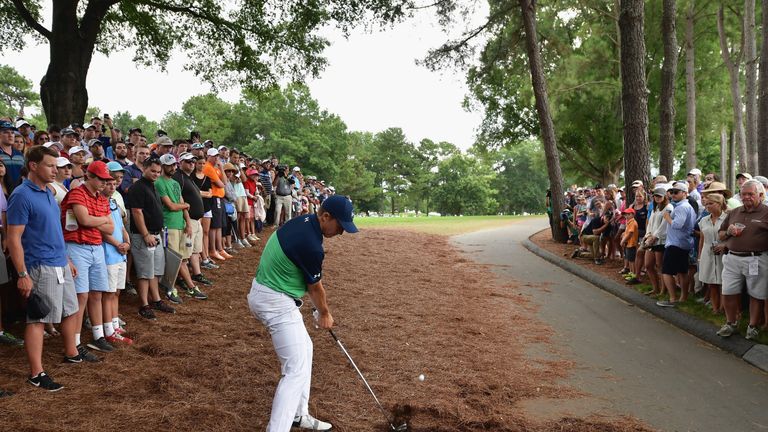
{"x": 197, "y": 237}
{"x": 736, "y": 275}
{"x": 177, "y": 241}
{"x": 241, "y": 205}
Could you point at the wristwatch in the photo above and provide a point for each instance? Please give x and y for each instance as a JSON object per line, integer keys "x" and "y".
{"x": 23, "y": 274}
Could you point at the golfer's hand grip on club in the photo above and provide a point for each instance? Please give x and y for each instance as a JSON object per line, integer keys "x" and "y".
{"x": 323, "y": 321}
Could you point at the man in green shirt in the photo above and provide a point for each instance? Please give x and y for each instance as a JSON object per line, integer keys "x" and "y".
{"x": 178, "y": 223}
{"x": 290, "y": 267}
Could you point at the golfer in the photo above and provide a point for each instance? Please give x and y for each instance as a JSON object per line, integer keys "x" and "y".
{"x": 291, "y": 266}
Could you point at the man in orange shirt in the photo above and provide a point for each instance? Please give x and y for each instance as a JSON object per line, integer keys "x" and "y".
{"x": 214, "y": 170}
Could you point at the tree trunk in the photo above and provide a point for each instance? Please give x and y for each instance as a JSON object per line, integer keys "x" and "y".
{"x": 690, "y": 91}
{"x": 634, "y": 92}
{"x": 750, "y": 88}
{"x": 724, "y": 155}
{"x": 545, "y": 118}
{"x": 733, "y": 72}
{"x": 762, "y": 130}
{"x": 63, "y": 91}
{"x": 732, "y": 163}
{"x": 667, "y": 99}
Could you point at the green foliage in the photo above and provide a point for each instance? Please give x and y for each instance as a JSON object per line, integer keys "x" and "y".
{"x": 125, "y": 121}
{"x": 15, "y": 92}
{"x": 464, "y": 186}
{"x": 251, "y": 42}
{"x": 522, "y": 178}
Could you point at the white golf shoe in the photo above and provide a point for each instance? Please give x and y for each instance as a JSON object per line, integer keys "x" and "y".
{"x": 311, "y": 423}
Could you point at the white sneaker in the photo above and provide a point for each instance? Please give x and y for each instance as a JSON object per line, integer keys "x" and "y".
{"x": 752, "y": 333}
{"x": 245, "y": 243}
{"x": 311, "y": 423}
{"x": 726, "y": 330}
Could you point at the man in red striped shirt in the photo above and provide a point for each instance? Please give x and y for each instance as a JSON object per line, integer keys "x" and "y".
{"x": 85, "y": 216}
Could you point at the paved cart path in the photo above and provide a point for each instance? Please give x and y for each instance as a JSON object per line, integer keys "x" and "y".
{"x": 629, "y": 361}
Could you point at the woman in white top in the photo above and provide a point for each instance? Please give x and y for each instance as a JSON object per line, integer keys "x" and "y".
{"x": 63, "y": 172}
{"x": 710, "y": 249}
{"x": 655, "y": 238}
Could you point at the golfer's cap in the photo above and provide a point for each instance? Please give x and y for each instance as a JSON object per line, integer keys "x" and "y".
{"x": 266, "y": 161}
{"x": 160, "y": 133}
{"x": 212, "y": 152}
{"x": 222, "y": 147}
{"x": 746, "y": 175}
{"x": 296, "y": 169}
{"x": 21, "y": 123}
{"x": 61, "y": 162}
{"x": 94, "y": 142}
{"x": 76, "y": 149}
{"x": 695, "y": 171}
{"x": 341, "y": 209}
{"x": 251, "y": 172}
{"x": 133, "y": 130}
{"x": 661, "y": 190}
{"x": 197, "y": 146}
{"x": 88, "y": 126}
{"x": 629, "y": 210}
{"x": 164, "y": 141}
{"x": 637, "y": 183}
{"x": 99, "y": 169}
{"x": 168, "y": 159}
{"x": 5, "y": 125}
{"x": 55, "y": 144}
{"x": 68, "y": 131}
{"x": 681, "y": 186}
{"x": 186, "y": 156}
{"x": 114, "y": 166}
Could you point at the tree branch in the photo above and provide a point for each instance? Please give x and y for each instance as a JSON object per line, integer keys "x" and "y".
{"x": 26, "y": 15}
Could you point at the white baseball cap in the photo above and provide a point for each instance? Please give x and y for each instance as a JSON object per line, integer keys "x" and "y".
{"x": 296, "y": 169}
{"x": 695, "y": 171}
{"x": 168, "y": 159}
{"x": 212, "y": 152}
{"x": 76, "y": 149}
{"x": 61, "y": 161}
{"x": 21, "y": 123}
{"x": 55, "y": 144}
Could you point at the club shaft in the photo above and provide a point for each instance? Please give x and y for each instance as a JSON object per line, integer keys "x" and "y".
{"x": 365, "y": 381}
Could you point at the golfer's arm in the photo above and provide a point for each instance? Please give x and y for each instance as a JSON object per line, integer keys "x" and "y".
{"x": 317, "y": 294}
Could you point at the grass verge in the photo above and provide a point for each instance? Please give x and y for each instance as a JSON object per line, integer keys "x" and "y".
{"x": 442, "y": 225}
{"x": 704, "y": 312}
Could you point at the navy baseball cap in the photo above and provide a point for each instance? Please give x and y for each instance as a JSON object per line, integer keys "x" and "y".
{"x": 7, "y": 125}
{"x": 341, "y": 209}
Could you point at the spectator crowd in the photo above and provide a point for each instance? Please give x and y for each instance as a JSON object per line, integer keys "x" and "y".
{"x": 689, "y": 239}
{"x": 90, "y": 215}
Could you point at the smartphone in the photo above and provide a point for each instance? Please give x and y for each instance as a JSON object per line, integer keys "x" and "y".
{"x": 106, "y": 116}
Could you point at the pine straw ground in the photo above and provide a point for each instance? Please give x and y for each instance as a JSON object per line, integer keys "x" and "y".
{"x": 404, "y": 303}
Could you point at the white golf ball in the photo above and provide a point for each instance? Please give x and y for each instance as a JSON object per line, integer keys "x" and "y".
{"x": 421, "y": 377}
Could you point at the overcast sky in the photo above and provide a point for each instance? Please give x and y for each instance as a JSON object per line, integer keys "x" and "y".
{"x": 372, "y": 83}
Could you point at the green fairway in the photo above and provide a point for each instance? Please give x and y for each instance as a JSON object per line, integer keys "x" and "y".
{"x": 444, "y": 225}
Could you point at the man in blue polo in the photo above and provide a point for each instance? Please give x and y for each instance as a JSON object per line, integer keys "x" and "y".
{"x": 290, "y": 267}
{"x": 36, "y": 246}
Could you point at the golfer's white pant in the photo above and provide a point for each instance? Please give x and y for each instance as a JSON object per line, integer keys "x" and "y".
{"x": 293, "y": 346}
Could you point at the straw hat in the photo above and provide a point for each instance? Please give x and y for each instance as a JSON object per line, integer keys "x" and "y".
{"x": 717, "y": 187}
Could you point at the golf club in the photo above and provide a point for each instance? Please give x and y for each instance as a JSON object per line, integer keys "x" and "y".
{"x": 403, "y": 427}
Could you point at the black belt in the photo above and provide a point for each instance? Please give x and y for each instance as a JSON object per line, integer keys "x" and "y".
{"x": 155, "y": 233}
{"x": 745, "y": 254}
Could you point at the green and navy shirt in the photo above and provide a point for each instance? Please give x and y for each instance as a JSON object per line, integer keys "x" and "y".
{"x": 293, "y": 257}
